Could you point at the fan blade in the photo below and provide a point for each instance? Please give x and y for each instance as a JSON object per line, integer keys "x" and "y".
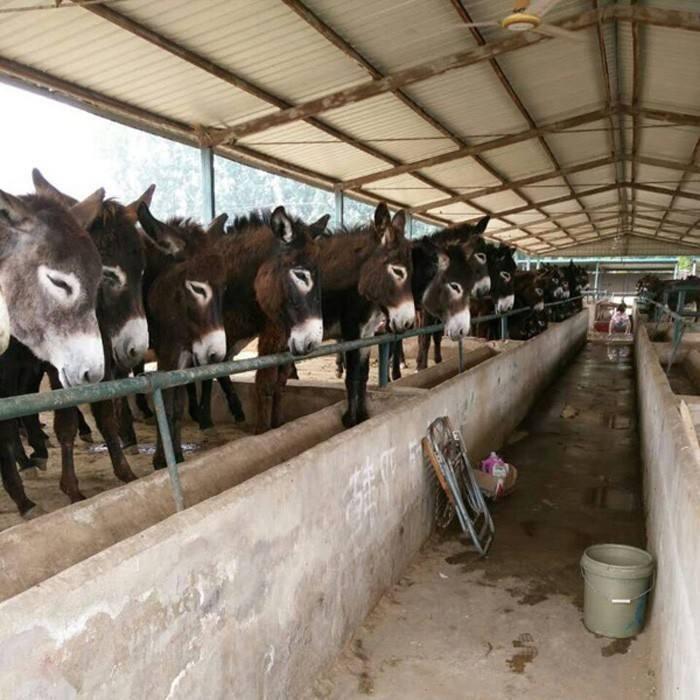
{"x": 480, "y": 24}
{"x": 541, "y": 7}
{"x": 559, "y": 33}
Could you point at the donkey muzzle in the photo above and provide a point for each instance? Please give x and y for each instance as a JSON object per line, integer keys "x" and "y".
{"x": 505, "y": 304}
{"x": 402, "y": 317}
{"x": 482, "y": 287}
{"x": 458, "y": 324}
{"x": 130, "y": 343}
{"x": 210, "y": 348}
{"x": 306, "y": 336}
{"x": 79, "y": 359}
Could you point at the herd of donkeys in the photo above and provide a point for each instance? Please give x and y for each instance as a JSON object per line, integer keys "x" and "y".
{"x": 88, "y": 287}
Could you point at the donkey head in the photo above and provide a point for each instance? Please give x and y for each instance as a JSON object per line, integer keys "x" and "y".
{"x": 501, "y": 270}
{"x": 120, "y": 299}
{"x": 385, "y": 277}
{"x": 448, "y": 295}
{"x": 288, "y": 285}
{"x": 49, "y": 275}
{"x": 202, "y": 290}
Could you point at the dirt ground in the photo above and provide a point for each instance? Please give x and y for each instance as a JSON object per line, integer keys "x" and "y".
{"x": 94, "y": 468}
{"x": 510, "y": 626}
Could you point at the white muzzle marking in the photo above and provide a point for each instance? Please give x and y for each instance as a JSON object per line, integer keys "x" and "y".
{"x": 505, "y": 304}
{"x": 306, "y": 336}
{"x": 482, "y": 286}
{"x": 402, "y": 317}
{"x": 458, "y": 325}
{"x": 130, "y": 343}
{"x": 559, "y": 292}
{"x": 210, "y": 348}
{"x": 79, "y": 359}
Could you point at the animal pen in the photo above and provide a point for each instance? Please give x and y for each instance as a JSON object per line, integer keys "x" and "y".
{"x": 310, "y": 297}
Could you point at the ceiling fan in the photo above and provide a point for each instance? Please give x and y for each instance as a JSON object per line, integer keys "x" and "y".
{"x": 527, "y": 16}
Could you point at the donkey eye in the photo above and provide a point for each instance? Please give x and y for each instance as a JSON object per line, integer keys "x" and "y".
{"x": 505, "y": 276}
{"x": 398, "y": 272}
{"x": 64, "y": 287}
{"x": 198, "y": 290}
{"x": 113, "y": 275}
{"x": 456, "y": 288}
{"x": 302, "y": 279}
{"x": 539, "y": 291}
{"x": 481, "y": 258}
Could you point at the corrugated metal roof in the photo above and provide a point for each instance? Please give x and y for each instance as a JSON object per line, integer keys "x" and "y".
{"x": 216, "y": 63}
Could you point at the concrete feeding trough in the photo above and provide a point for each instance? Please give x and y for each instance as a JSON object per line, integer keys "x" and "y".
{"x": 287, "y": 541}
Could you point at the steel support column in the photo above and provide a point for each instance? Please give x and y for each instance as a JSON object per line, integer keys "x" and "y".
{"x": 208, "y": 201}
{"x": 339, "y": 208}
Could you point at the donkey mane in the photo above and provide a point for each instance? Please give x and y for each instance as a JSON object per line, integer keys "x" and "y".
{"x": 256, "y": 219}
{"x": 188, "y": 228}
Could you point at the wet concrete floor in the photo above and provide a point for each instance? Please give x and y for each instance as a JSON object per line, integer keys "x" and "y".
{"x": 510, "y": 626}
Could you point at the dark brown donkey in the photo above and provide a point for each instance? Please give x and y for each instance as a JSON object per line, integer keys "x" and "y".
{"x": 271, "y": 291}
{"x": 49, "y": 274}
{"x": 366, "y": 283}
{"x": 166, "y": 244}
{"x": 122, "y": 321}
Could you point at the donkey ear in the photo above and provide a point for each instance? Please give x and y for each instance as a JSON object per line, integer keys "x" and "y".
{"x": 132, "y": 210}
{"x": 216, "y": 227}
{"x": 89, "y": 209}
{"x": 43, "y": 186}
{"x": 443, "y": 261}
{"x": 157, "y": 234}
{"x": 13, "y": 211}
{"x": 481, "y": 225}
{"x": 382, "y": 218}
{"x": 398, "y": 223}
{"x": 318, "y": 228}
{"x": 281, "y": 225}
{"x": 150, "y": 224}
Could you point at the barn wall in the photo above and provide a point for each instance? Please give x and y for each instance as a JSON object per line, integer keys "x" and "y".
{"x": 252, "y": 592}
{"x": 672, "y": 497}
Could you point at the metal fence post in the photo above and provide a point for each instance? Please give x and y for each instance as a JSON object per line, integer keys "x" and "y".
{"x": 504, "y": 327}
{"x": 384, "y": 364}
{"x": 208, "y": 200}
{"x": 167, "y": 442}
{"x": 339, "y": 208}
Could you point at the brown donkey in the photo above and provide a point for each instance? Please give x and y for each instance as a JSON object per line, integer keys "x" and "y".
{"x": 366, "y": 283}
{"x": 268, "y": 275}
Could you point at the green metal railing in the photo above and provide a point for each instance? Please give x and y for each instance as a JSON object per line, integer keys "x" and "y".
{"x": 156, "y": 382}
{"x": 680, "y": 318}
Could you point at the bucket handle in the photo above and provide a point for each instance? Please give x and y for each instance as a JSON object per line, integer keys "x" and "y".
{"x": 624, "y": 601}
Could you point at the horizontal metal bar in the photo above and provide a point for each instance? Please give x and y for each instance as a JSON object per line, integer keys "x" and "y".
{"x": 28, "y": 404}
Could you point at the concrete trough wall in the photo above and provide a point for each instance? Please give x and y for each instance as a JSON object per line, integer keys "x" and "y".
{"x": 672, "y": 495}
{"x": 252, "y": 592}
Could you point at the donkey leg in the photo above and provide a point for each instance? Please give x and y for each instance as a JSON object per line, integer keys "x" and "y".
{"x": 339, "y": 364}
{"x": 204, "y": 409}
{"x": 35, "y": 436}
{"x": 264, "y": 394}
{"x": 84, "y": 430}
{"x": 232, "y": 399}
{"x": 65, "y": 425}
{"x": 283, "y": 374}
{"x": 19, "y": 451}
{"x": 362, "y": 413}
{"x": 353, "y": 380}
{"x": 125, "y": 420}
{"x": 437, "y": 341}
{"x": 423, "y": 348}
{"x": 8, "y": 470}
{"x": 106, "y": 421}
{"x": 178, "y": 415}
{"x": 142, "y": 405}
{"x": 192, "y": 405}
{"x": 397, "y": 351}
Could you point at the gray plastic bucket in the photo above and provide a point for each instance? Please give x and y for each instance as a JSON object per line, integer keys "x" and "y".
{"x": 617, "y": 581}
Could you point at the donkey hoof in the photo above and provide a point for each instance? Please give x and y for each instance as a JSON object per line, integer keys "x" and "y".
{"x": 349, "y": 421}
{"x": 39, "y": 462}
{"x": 86, "y": 437}
{"x": 125, "y": 475}
{"x": 34, "y": 512}
{"x": 29, "y": 473}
